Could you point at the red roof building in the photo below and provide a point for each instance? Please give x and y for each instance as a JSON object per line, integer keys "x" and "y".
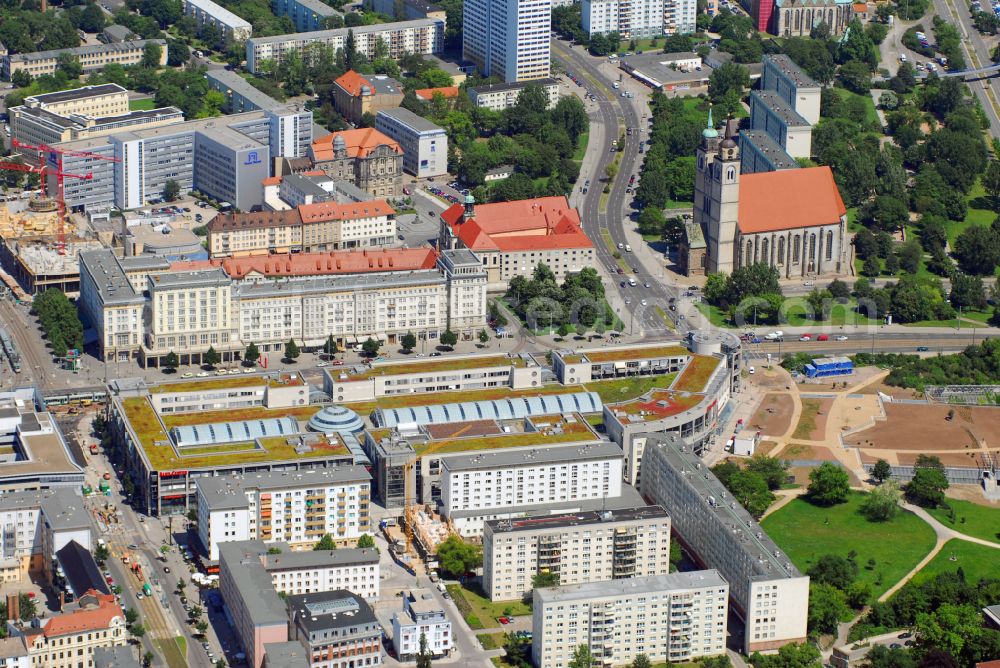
{"x": 69, "y": 639}
{"x": 355, "y": 95}
{"x": 427, "y": 94}
{"x": 365, "y": 157}
{"x": 298, "y": 265}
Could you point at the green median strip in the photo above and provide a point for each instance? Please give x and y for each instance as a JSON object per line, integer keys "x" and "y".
{"x": 606, "y": 235}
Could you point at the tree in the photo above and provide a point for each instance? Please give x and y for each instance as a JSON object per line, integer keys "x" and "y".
{"x": 69, "y": 65}
{"x": 201, "y": 626}
{"x": 152, "y": 54}
{"x": 882, "y": 503}
{"x": 131, "y": 616}
{"x": 582, "y": 658}
{"x": 423, "y": 656}
{"x": 171, "y": 190}
{"x": 27, "y": 606}
{"x": 147, "y": 657}
{"x": 872, "y": 267}
{"x": 544, "y": 579}
{"x": 171, "y": 361}
{"x": 370, "y": 347}
{"x": 882, "y": 471}
{"x": 92, "y": 18}
{"x": 827, "y": 605}
{"x": 408, "y": 342}
{"x": 101, "y": 554}
{"x": 991, "y": 182}
{"x": 641, "y": 661}
{"x": 366, "y": 541}
{"x": 325, "y": 543}
{"x": 829, "y": 484}
{"x": 773, "y": 470}
{"x": 211, "y": 357}
{"x": 838, "y": 289}
{"x": 458, "y": 557}
{"x": 881, "y": 656}
{"x": 834, "y": 570}
{"x": 192, "y": 516}
{"x": 928, "y": 483}
{"x": 292, "y": 351}
{"x": 251, "y": 354}
{"x": 484, "y": 337}
{"x": 977, "y": 250}
{"x": 138, "y": 630}
{"x": 967, "y": 291}
{"x": 888, "y": 100}
{"x": 856, "y": 77}
{"x": 449, "y": 338}
{"x": 951, "y": 628}
{"x": 729, "y": 78}
{"x": 750, "y": 489}
{"x": 181, "y": 585}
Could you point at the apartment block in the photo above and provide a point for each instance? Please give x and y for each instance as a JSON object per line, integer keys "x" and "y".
{"x": 406, "y": 10}
{"x": 307, "y": 15}
{"x": 770, "y": 113}
{"x": 421, "y": 616}
{"x": 92, "y": 58}
{"x": 767, "y": 591}
{"x": 578, "y": 547}
{"x": 501, "y": 96}
{"x": 508, "y": 39}
{"x": 35, "y": 525}
{"x": 486, "y": 483}
{"x": 355, "y": 95}
{"x": 68, "y": 640}
{"x": 631, "y": 19}
{"x": 679, "y": 16}
{"x": 297, "y": 508}
{"x": 206, "y": 12}
{"x": 337, "y": 628}
{"x": 784, "y": 77}
{"x": 425, "y": 145}
{"x": 420, "y": 36}
{"x": 241, "y": 96}
{"x": 669, "y": 618}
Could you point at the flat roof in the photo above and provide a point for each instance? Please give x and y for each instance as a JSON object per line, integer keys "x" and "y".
{"x": 293, "y": 559}
{"x": 431, "y": 365}
{"x": 121, "y": 656}
{"x": 339, "y": 283}
{"x": 189, "y": 279}
{"x": 47, "y": 453}
{"x": 289, "y": 654}
{"x": 253, "y": 585}
{"x": 765, "y": 144}
{"x": 575, "y": 431}
{"x": 408, "y": 119}
{"x": 330, "y": 610}
{"x": 536, "y": 456}
{"x": 632, "y": 586}
{"x": 322, "y": 35}
{"x": 132, "y": 45}
{"x": 780, "y": 108}
{"x": 630, "y": 498}
{"x": 787, "y": 66}
{"x": 578, "y": 519}
{"x": 240, "y": 86}
{"x": 501, "y": 87}
{"x": 599, "y": 356}
{"x": 110, "y": 279}
{"x": 230, "y": 491}
{"x": 83, "y": 93}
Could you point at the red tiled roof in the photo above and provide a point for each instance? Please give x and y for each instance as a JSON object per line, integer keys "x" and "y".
{"x": 352, "y": 82}
{"x": 543, "y": 223}
{"x": 359, "y": 143}
{"x": 860, "y": 7}
{"x": 447, "y": 92}
{"x": 92, "y": 619}
{"x": 320, "y": 212}
{"x": 323, "y": 264}
{"x": 793, "y": 198}
{"x": 271, "y": 181}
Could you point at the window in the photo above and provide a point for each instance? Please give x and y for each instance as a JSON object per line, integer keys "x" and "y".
{"x": 795, "y": 249}
{"x": 829, "y": 245}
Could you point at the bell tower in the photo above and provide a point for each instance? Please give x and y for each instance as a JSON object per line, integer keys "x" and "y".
{"x": 722, "y": 202}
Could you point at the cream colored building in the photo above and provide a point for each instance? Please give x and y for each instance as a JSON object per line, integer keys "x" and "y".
{"x": 69, "y": 640}
{"x": 578, "y": 547}
{"x": 36, "y": 525}
{"x": 669, "y": 618}
{"x": 91, "y": 58}
{"x": 189, "y": 312}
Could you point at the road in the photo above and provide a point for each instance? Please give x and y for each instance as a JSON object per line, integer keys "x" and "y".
{"x": 614, "y": 115}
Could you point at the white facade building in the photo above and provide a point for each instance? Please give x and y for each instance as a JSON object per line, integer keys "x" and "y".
{"x": 679, "y": 16}
{"x": 631, "y": 19}
{"x": 494, "y": 480}
{"x": 294, "y": 507}
{"x": 508, "y": 39}
{"x": 425, "y": 145}
{"x": 36, "y": 525}
{"x": 579, "y": 547}
{"x": 206, "y": 12}
{"x": 421, "y": 615}
{"x": 669, "y": 618}
{"x": 501, "y": 96}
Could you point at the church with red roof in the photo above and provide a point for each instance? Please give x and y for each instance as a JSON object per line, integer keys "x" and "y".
{"x": 512, "y": 238}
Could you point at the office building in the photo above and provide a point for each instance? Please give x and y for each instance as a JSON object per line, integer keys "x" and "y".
{"x": 679, "y": 16}
{"x": 508, "y": 39}
{"x": 767, "y": 591}
{"x": 34, "y": 526}
{"x": 631, "y": 19}
{"x": 364, "y": 157}
{"x": 355, "y": 95}
{"x": 241, "y": 95}
{"x": 68, "y": 640}
{"x": 296, "y": 508}
{"x": 206, "y": 12}
{"x": 421, "y": 616}
{"x": 669, "y": 618}
{"x": 226, "y": 158}
{"x": 577, "y": 547}
{"x": 512, "y": 238}
{"x": 257, "y": 614}
{"x": 424, "y": 144}
{"x": 307, "y": 15}
{"x": 486, "y": 483}
{"x": 306, "y": 229}
{"x": 770, "y": 113}
{"x": 420, "y": 36}
{"x": 337, "y": 628}
{"x": 92, "y": 58}
{"x": 502, "y": 96}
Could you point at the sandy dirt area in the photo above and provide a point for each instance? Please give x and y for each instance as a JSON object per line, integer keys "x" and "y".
{"x": 812, "y": 421}
{"x": 774, "y": 414}
{"x": 926, "y": 427}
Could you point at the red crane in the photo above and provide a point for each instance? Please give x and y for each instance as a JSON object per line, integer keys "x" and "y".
{"x": 60, "y": 176}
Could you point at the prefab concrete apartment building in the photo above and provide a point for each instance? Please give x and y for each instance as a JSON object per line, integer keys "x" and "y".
{"x": 425, "y": 145}
{"x": 508, "y": 39}
{"x": 206, "y": 12}
{"x": 307, "y": 15}
{"x": 768, "y": 592}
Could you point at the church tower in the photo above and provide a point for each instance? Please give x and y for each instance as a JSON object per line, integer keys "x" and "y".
{"x": 721, "y": 200}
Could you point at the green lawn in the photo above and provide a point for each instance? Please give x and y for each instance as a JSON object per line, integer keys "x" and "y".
{"x": 934, "y": 323}
{"x": 976, "y": 561}
{"x": 479, "y": 611}
{"x": 173, "y": 651}
{"x": 806, "y": 532}
{"x": 144, "y": 104}
{"x": 979, "y": 213}
{"x": 870, "y": 114}
{"x": 581, "y": 150}
{"x": 627, "y": 389}
{"x": 796, "y": 311}
{"x": 491, "y": 640}
{"x": 972, "y": 519}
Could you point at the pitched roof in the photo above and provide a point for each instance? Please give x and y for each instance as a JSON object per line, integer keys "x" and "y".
{"x": 320, "y": 264}
{"x": 794, "y": 198}
{"x": 542, "y": 223}
{"x": 356, "y": 84}
{"x": 87, "y": 619}
{"x": 319, "y": 212}
{"x": 428, "y": 93}
{"x": 352, "y": 82}
{"x": 359, "y": 143}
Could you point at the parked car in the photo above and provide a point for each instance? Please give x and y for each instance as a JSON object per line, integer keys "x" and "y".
{"x": 822, "y": 337}
{"x": 806, "y": 337}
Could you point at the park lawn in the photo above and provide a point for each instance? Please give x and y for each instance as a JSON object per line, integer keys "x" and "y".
{"x": 870, "y": 115}
{"x": 472, "y": 602}
{"x": 935, "y": 323}
{"x": 144, "y": 104}
{"x": 972, "y": 519}
{"x": 807, "y": 532}
{"x": 807, "y": 419}
{"x": 714, "y": 315}
{"x": 491, "y": 640}
{"x": 840, "y": 314}
{"x": 977, "y": 316}
{"x": 581, "y": 150}
{"x": 976, "y": 561}
{"x": 627, "y": 389}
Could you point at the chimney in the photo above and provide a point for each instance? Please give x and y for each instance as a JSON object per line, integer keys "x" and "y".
{"x": 13, "y": 607}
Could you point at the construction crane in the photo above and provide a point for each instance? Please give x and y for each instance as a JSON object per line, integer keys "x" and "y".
{"x": 60, "y": 175}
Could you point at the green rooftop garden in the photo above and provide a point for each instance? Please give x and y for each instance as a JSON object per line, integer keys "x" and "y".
{"x": 601, "y": 356}
{"x": 431, "y": 398}
{"x": 675, "y": 403}
{"x": 572, "y": 432}
{"x": 434, "y": 365}
{"x": 238, "y": 414}
{"x": 199, "y": 384}
{"x": 697, "y": 373}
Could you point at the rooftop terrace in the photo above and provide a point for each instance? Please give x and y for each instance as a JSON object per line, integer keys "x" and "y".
{"x": 568, "y": 432}
{"x": 435, "y": 365}
{"x": 697, "y": 373}
{"x": 656, "y": 406}
{"x": 624, "y": 354}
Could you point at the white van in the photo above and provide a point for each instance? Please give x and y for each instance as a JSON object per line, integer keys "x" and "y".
{"x": 628, "y": 248}
{"x": 632, "y": 282}
{"x": 615, "y": 85}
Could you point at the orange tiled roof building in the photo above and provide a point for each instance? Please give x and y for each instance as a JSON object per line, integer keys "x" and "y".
{"x": 355, "y": 95}
{"x": 365, "y": 157}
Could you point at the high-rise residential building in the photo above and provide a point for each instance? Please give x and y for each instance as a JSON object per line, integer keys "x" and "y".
{"x": 679, "y": 16}
{"x": 669, "y": 618}
{"x": 631, "y": 19}
{"x": 508, "y": 39}
{"x": 578, "y": 547}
